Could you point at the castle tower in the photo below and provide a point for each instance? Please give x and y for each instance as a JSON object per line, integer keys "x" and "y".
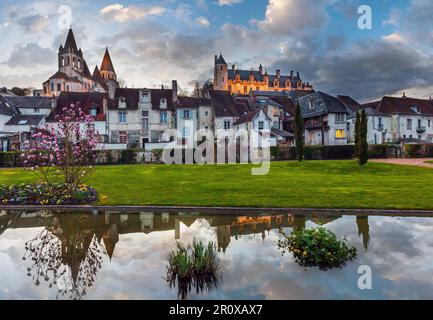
{"x": 220, "y": 73}
{"x": 70, "y": 57}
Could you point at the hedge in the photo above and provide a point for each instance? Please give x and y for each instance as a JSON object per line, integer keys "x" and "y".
{"x": 10, "y": 159}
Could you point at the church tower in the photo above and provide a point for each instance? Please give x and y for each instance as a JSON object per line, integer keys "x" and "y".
{"x": 220, "y": 73}
{"x": 108, "y": 74}
{"x": 70, "y": 57}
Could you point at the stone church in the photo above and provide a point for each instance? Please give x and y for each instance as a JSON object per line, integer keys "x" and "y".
{"x": 237, "y": 81}
{"x": 73, "y": 73}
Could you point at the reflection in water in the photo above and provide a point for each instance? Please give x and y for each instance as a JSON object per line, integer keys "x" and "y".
{"x": 363, "y": 230}
{"x": 66, "y": 254}
{"x": 193, "y": 266}
{"x": 123, "y": 255}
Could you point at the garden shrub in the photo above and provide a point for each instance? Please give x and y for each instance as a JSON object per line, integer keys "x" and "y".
{"x": 128, "y": 156}
{"x": 317, "y": 248}
{"x": 46, "y": 194}
{"x": 10, "y": 159}
{"x": 379, "y": 151}
{"x": 413, "y": 150}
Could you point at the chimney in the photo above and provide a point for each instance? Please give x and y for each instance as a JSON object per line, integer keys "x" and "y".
{"x": 404, "y": 94}
{"x": 261, "y": 69}
{"x": 291, "y": 74}
{"x": 233, "y": 67}
{"x": 297, "y": 75}
{"x": 174, "y": 90}
{"x": 278, "y": 73}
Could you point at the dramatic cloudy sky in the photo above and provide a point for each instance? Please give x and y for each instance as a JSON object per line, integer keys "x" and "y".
{"x": 154, "y": 41}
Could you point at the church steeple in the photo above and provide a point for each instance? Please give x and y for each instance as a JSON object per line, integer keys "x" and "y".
{"x": 71, "y": 44}
{"x": 107, "y": 69}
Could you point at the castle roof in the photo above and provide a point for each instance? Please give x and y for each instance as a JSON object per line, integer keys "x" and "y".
{"x": 107, "y": 64}
{"x": 87, "y": 71}
{"x": 220, "y": 60}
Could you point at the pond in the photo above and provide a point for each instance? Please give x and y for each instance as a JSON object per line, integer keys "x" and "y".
{"x": 119, "y": 255}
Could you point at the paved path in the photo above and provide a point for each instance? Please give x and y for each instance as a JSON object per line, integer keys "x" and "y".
{"x": 407, "y": 162}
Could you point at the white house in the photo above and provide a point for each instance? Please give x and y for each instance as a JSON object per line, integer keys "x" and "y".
{"x": 410, "y": 119}
{"x": 325, "y": 119}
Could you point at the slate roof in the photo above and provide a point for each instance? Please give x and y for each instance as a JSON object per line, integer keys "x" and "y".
{"x": 282, "y": 133}
{"x": 190, "y": 102}
{"x": 97, "y": 77}
{"x": 70, "y": 44}
{"x": 371, "y": 112}
{"x": 249, "y": 117}
{"x": 323, "y": 104}
{"x": 132, "y": 97}
{"x": 157, "y": 94}
{"x": 220, "y": 60}
{"x": 350, "y": 103}
{"x": 31, "y": 120}
{"x": 258, "y": 76}
{"x": 6, "y": 108}
{"x": 29, "y": 102}
{"x": 224, "y": 104}
{"x": 86, "y": 100}
{"x": 405, "y": 105}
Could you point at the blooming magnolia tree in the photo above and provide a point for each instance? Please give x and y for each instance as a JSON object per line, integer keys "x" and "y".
{"x": 66, "y": 150}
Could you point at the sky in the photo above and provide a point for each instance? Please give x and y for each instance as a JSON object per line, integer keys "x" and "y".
{"x": 153, "y": 42}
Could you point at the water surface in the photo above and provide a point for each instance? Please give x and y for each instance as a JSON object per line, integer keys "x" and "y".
{"x": 109, "y": 255}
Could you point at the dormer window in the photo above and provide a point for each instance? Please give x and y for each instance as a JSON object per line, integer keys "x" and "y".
{"x": 311, "y": 104}
{"x": 122, "y": 103}
{"x": 415, "y": 109}
{"x": 163, "y": 103}
{"x": 93, "y": 112}
{"x": 144, "y": 96}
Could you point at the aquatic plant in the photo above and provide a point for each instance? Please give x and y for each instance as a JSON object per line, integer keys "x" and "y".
{"x": 193, "y": 266}
{"x": 317, "y": 247}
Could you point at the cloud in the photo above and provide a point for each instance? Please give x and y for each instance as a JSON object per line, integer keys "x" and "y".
{"x": 294, "y": 17}
{"x": 394, "y": 37}
{"x": 202, "y": 22}
{"x": 30, "y": 55}
{"x": 228, "y": 2}
{"x": 30, "y": 21}
{"x": 119, "y": 13}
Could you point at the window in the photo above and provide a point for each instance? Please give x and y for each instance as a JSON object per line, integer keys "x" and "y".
{"x": 311, "y": 104}
{"x": 227, "y": 125}
{"x": 245, "y": 89}
{"x": 36, "y": 110}
{"x": 339, "y": 118}
{"x": 186, "y": 114}
{"x": 419, "y": 123}
{"x": 67, "y": 88}
{"x": 93, "y": 112}
{"x": 257, "y": 88}
{"x": 123, "y": 137}
{"x": 145, "y": 125}
{"x": 122, "y": 116}
{"x": 23, "y": 122}
{"x": 409, "y": 124}
{"x": 429, "y": 123}
{"x": 230, "y": 88}
{"x": 145, "y": 113}
{"x": 163, "y": 117}
{"x": 340, "y": 134}
{"x": 261, "y": 125}
{"x": 206, "y": 113}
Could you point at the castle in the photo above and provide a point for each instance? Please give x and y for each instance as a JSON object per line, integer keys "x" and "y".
{"x": 73, "y": 73}
{"x": 237, "y": 81}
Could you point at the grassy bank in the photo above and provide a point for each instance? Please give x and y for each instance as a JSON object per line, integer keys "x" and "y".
{"x": 314, "y": 184}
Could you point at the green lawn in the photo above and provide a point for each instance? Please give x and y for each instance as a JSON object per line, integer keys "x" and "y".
{"x": 313, "y": 184}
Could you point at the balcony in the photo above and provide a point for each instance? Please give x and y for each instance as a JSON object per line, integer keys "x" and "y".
{"x": 421, "y": 129}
